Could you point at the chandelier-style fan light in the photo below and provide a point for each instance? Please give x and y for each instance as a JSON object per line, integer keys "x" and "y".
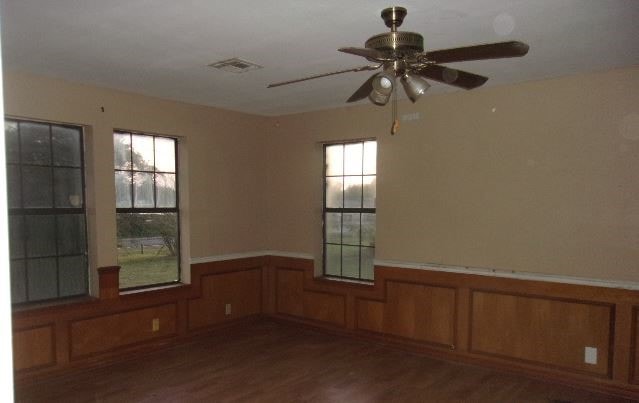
{"x": 401, "y": 55}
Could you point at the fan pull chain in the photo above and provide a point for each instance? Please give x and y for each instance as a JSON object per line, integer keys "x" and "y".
{"x": 395, "y": 125}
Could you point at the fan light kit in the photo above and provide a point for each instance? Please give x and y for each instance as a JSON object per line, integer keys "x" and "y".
{"x": 401, "y": 56}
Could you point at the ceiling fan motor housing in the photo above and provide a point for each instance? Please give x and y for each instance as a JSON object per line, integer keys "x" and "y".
{"x": 396, "y": 44}
{"x": 399, "y": 43}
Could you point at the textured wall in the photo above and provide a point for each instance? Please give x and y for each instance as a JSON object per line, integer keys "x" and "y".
{"x": 224, "y": 169}
{"x": 536, "y": 177}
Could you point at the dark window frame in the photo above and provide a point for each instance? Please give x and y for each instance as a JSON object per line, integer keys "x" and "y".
{"x": 155, "y": 209}
{"x": 360, "y": 210}
{"x": 23, "y": 212}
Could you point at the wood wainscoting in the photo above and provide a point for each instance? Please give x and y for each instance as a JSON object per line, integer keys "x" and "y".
{"x": 94, "y": 331}
{"x": 534, "y": 327}
{"x": 34, "y": 347}
{"x": 537, "y": 328}
{"x": 635, "y": 346}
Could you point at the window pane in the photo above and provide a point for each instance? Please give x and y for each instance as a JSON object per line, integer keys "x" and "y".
{"x": 147, "y": 248}
{"x": 41, "y": 236}
{"x": 18, "y": 282}
{"x": 142, "y": 152}
{"x": 16, "y": 236}
{"x": 36, "y": 145}
{"x": 12, "y": 141}
{"x": 164, "y": 154}
{"x": 333, "y": 227}
{"x": 123, "y": 189}
{"x": 13, "y": 186}
{"x": 333, "y": 264}
{"x": 68, "y": 187}
{"x": 353, "y": 159}
{"x": 350, "y": 261}
{"x": 38, "y": 189}
{"x": 44, "y": 172}
{"x": 143, "y": 189}
{"x": 368, "y": 254}
{"x": 71, "y": 234}
{"x": 370, "y": 190}
{"x": 66, "y": 146}
{"x": 368, "y": 229}
{"x": 353, "y": 191}
{"x": 73, "y": 275}
{"x": 350, "y": 229}
{"x": 335, "y": 160}
{"x": 43, "y": 279}
{"x": 334, "y": 192}
{"x": 370, "y": 158}
{"x": 122, "y": 151}
{"x": 165, "y": 187}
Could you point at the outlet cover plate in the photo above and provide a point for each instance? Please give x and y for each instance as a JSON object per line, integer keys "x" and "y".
{"x": 590, "y": 355}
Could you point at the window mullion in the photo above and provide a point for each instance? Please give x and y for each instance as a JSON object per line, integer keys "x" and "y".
{"x": 155, "y": 190}
{"x": 23, "y": 220}
{"x": 131, "y": 171}
{"x": 341, "y": 231}
{"x": 55, "y": 216}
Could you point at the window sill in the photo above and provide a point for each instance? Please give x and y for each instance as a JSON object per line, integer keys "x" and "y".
{"x": 346, "y": 281}
{"x": 32, "y": 306}
{"x": 163, "y": 287}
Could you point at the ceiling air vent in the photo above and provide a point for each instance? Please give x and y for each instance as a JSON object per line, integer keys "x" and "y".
{"x": 235, "y": 65}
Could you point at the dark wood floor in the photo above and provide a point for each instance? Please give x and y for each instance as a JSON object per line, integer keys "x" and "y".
{"x": 265, "y": 361}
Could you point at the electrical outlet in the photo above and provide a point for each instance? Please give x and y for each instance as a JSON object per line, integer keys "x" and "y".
{"x": 590, "y": 355}
{"x": 155, "y": 324}
{"x": 227, "y": 309}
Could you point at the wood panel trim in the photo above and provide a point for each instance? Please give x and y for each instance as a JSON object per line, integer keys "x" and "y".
{"x": 277, "y": 270}
{"x": 501, "y": 273}
{"x": 387, "y": 337}
{"x": 225, "y": 270}
{"x": 122, "y": 347}
{"x": 53, "y": 357}
{"x": 384, "y": 299}
{"x": 633, "y": 370}
{"x": 343, "y": 297}
{"x": 109, "y": 282}
{"x": 611, "y": 326}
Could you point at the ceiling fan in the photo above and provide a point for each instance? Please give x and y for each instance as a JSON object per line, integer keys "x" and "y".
{"x": 401, "y": 55}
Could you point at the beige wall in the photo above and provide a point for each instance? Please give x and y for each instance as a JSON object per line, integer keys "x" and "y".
{"x": 225, "y": 166}
{"x": 537, "y": 177}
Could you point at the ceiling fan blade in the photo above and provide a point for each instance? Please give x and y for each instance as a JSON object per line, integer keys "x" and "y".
{"x": 454, "y": 77}
{"x": 363, "y": 68}
{"x": 363, "y": 91}
{"x": 479, "y": 52}
{"x": 370, "y": 54}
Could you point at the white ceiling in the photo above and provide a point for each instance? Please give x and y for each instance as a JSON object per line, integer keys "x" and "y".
{"x": 162, "y": 48}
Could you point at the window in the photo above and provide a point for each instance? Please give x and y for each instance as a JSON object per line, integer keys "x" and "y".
{"x": 146, "y": 189}
{"x": 349, "y": 209}
{"x": 47, "y": 214}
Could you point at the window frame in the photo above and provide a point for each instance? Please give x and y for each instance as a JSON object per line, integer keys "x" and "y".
{"x": 344, "y": 210}
{"x": 142, "y": 210}
{"x": 50, "y": 211}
